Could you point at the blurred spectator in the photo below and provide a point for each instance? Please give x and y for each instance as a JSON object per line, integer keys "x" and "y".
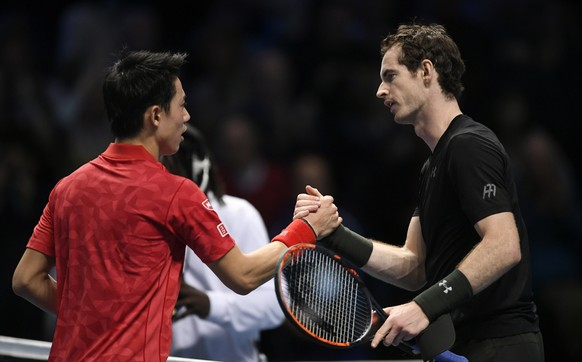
{"x": 552, "y": 208}
{"x": 311, "y": 168}
{"x": 30, "y": 159}
{"x": 247, "y": 171}
{"x": 21, "y": 81}
{"x": 137, "y": 26}
{"x": 25, "y": 173}
{"x": 74, "y": 87}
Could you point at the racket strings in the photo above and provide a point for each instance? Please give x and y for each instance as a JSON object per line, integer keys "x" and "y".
{"x": 325, "y": 298}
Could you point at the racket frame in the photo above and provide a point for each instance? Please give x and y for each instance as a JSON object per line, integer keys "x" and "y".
{"x": 353, "y": 272}
{"x": 443, "y": 325}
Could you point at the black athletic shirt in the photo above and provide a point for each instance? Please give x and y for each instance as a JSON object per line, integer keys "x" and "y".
{"x": 467, "y": 178}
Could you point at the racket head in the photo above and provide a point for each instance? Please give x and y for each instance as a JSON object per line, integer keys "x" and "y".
{"x": 323, "y": 296}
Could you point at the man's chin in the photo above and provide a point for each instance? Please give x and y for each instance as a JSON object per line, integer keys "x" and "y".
{"x": 400, "y": 119}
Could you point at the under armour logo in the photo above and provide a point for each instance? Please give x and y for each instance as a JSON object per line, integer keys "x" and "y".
{"x": 443, "y": 283}
{"x": 489, "y": 191}
{"x": 433, "y": 173}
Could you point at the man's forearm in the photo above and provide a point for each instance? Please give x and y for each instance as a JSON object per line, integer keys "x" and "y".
{"x": 41, "y": 291}
{"x": 396, "y": 265}
{"x": 32, "y": 281}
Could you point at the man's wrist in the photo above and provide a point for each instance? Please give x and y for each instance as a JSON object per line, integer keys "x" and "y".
{"x": 310, "y": 226}
{"x": 444, "y": 296}
{"x": 349, "y": 244}
{"x": 298, "y": 231}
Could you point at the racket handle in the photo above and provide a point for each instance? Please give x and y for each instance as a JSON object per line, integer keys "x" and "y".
{"x": 448, "y": 356}
{"x": 414, "y": 350}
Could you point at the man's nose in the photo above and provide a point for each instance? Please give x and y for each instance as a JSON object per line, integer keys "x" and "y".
{"x": 382, "y": 91}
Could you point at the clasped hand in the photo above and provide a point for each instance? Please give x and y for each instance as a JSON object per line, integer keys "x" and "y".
{"x": 320, "y": 211}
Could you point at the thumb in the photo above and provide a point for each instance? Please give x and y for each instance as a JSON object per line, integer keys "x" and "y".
{"x": 313, "y": 191}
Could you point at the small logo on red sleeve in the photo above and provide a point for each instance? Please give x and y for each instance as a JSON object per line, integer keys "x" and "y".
{"x": 207, "y": 204}
{"x": 222, "y": 229}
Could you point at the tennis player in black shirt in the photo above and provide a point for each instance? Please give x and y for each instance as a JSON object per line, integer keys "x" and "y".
{"x": 466, "y": 249}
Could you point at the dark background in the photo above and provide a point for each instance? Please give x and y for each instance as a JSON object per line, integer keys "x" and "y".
{"x": 285, "y": 92}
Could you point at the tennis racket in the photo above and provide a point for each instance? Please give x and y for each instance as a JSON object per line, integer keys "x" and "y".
{"x": 323, "y": 295}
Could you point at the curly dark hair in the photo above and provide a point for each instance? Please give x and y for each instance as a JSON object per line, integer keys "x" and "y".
{"x": 430, "y": 42}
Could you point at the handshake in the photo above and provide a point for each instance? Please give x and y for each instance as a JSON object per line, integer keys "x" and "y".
{"x": 315, "y": 217}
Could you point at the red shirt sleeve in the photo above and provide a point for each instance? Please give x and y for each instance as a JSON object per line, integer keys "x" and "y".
{"x": 42, "y": 238}
{"x": 195, "y": 222}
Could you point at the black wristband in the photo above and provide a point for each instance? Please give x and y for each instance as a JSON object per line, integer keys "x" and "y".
{"x": 349, "y": 244}
{"x": 444, "y": 296}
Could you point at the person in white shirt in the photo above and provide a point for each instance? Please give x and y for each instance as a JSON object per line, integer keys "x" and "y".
{"x": 211, "y": 321}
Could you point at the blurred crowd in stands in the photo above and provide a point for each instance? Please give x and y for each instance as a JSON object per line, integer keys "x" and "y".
{"x": 284, "y": 91}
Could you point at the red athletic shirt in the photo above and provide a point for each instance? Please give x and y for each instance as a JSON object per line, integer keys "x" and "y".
{"x": 117, "y": 228}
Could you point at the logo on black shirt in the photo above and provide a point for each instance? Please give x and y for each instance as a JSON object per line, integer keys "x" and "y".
{"x": 489, "y": 191}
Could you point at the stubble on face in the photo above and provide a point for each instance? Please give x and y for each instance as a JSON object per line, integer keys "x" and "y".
{"x": 404, "y": 97}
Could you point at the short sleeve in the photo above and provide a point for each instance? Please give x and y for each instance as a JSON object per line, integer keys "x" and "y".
{"x": 478, "y": 170}
{"x": 195, "y": 222}
{"x": 42, "y": 239}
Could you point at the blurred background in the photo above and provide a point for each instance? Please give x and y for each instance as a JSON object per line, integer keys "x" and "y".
{"x": 285, "y": 92}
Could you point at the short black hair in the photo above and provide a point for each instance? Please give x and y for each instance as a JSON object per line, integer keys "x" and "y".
{"x": 138, "y": 80}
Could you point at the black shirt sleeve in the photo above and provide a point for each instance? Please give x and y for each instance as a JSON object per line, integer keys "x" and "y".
{"x": 478, "y": 169}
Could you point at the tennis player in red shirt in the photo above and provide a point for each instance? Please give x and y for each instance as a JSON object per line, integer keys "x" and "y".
{"x": 116, "y": 229}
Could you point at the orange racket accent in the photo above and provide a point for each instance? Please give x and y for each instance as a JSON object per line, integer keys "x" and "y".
{"x": 322, "y": 296}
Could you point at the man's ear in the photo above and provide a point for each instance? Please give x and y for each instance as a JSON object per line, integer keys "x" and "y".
{"x": 153, "y": 115}
{"x": 427, "y": 68}
{"x": 427, "y": 71}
